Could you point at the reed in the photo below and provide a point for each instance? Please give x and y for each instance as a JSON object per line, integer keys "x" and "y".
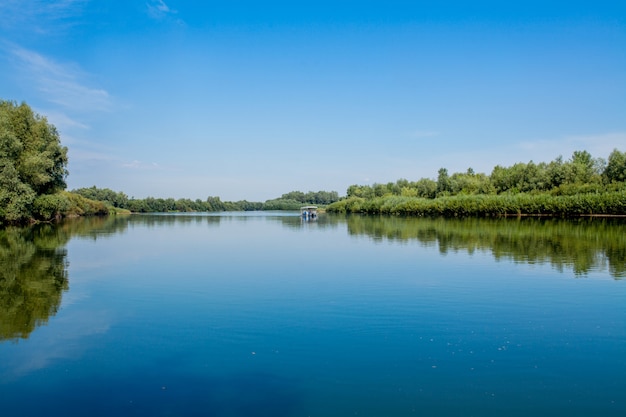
{"x": 522, "y": 204}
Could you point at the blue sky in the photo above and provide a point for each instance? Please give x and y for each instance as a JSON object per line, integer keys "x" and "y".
{"x": 252, "y": 99}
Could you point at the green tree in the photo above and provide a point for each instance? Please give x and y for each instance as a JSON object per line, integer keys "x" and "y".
{"x": 581, "y": 168}
{"x": 615, "y": 170}
{"x": 317, "y": 197}
{"x": 214, "y": 204}
{"x": 32, "y": 160}
{"x": 426, "y": 188}
{"x": 362, "y": 191}
{"x": 470, "y": 183}
{"x": 294, "y": 195}
{"x": 115, "y": 199}
{"x": 443, "y": 182}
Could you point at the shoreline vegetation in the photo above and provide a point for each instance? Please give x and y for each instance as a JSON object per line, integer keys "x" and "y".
{"x": 581, "y": 186}
{"x": 289, "y": 201}
{"x": 33, "y": 189}
{"x": 604, "y": 204}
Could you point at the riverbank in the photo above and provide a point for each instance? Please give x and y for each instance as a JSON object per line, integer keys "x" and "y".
{"x": 522, "y": 204}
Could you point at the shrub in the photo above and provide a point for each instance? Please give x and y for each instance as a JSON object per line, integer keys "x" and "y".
{"x": 50, "y": 206}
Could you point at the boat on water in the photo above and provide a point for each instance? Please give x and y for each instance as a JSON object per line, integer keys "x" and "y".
{"x": 308, "y": 212}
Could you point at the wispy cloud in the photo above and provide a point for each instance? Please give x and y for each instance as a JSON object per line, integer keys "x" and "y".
{"x": 40, "y": 16}
{"x": 59, "y": 83}
{"x": 157, "y": 9}
{"x": 160, "y": 11}
{"x": 61, "y": 120}
{"x": 136, "y": 164}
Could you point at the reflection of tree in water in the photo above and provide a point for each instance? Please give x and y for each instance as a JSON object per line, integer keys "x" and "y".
{"x": 94, "y": 227}
{"x": 323, "y": 221}
{"x": 33, "y": 270}
{"x": 33, "y": 275}
{"x": 582, "y": 245}
{"x": 151, "y": 220}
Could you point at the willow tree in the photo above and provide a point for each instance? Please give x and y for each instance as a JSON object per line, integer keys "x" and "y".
{"x": 32, "y": 162}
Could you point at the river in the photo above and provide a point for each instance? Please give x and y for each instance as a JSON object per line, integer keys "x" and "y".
{"x": 264, "y": 314}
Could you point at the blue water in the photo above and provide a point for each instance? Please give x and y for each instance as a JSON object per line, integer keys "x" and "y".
{"x": 262, "y": 315}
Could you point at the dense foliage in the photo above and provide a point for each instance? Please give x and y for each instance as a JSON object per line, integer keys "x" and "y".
{"x": 582, "y": 185}
{"x": 32, "y": 165}
{"x": 295, "y": 199}
{"x": 319, "y": 197}
{"x": 609, "y": 203}
{"x": 290, "y": 201}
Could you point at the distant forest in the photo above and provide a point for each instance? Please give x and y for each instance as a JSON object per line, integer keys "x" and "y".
{"x": 289, "y": 201}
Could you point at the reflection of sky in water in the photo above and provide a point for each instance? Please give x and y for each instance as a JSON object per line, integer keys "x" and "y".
{"x": 65, "y": 337}
{"x": 255, "y": 317}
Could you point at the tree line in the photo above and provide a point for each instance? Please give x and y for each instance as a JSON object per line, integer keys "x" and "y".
{"x": 582, "y": 173}
{"x": 289, "y": 201}
{"x": 580, "y": 185}
{"x": 33, "y": 170}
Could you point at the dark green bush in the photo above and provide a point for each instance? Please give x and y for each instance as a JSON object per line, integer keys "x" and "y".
{"x": 50, "y": 206}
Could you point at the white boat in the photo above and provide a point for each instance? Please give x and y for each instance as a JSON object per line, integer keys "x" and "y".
{"x": 308, "y": 212}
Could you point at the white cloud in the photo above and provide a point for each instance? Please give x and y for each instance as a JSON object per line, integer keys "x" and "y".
{"x": 62, "y": 121}
{"x": 67, "y": 98}
{"x": 62, "y": 84}
{"x": 157, "y": 9}
{"x": 136, "y": 164}
{"x": 40, "y": 16}
{"x": 162, "y": 7}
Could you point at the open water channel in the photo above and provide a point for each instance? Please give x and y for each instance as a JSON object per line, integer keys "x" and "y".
{"x": 263, "y": 314}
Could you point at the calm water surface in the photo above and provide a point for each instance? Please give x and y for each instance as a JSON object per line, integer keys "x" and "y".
{"x": 264, "y": 315}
